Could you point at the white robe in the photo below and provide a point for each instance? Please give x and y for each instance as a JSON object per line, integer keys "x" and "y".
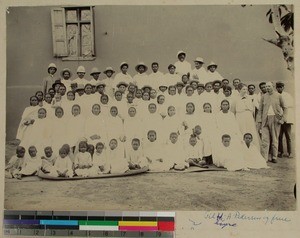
{"x": 31, "y": 165}
{"x": 199, "y": 74}
{"x": 38, "y": 135}
{"x": 75, "y": 129}
{"x": 136, "y": 157}
{"x": 28, "y": 114}
{"x": 95, "y": 125}
{"x": 213, "y": 76}
{"x": 116, "y": 159}
{"x": 140, "y": 79}
{"x": 59, "y": 134}
{"x": 120, "y": 77}
{"x": 154, "y": 79}
{"x": 229, "y": 157}
{"x": 171, "y": 79}
{"x": 182, "y": 67}
{"x": 61, "y": 165}
{"x": 253, "y": 158}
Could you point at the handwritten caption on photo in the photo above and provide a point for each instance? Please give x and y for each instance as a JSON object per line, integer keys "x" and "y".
{"x": 232, "y": 219}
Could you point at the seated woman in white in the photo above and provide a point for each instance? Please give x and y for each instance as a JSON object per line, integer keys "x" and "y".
{"x": 135, "y": 155}
{"x": 28, "y": 117}
{"x": 58, "y": 130}
{"x": 172, "y": 123}
{"x": 190, "y": 118}
{"x": 116, "y": 157}
{"x": 94, "y": 126}
{"x": 39, "y": 133}
{"x": 229, "y": 157}
{"x": 105, "y": 105}
{"x": 227, "y": 124}
{"x": 132, "y": 126}
{"x": 154, "y": 152}
{"x": 208, "y": 96}
{"x": 75, "y": 126}
{"x": 119, "y": 102}
{"x": 253, "y": 157}
{"x": 152, "y": 120}
{"x": 162, "y": 106}
{"x": 175, "y": 156}
{"x": 114, "y": 125}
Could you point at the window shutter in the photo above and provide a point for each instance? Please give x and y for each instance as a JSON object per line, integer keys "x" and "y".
{"x": 92, "y": 31}
{"x": 59, "y": 32}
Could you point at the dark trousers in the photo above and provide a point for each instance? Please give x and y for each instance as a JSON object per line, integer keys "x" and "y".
{"x": 285, "y": 129}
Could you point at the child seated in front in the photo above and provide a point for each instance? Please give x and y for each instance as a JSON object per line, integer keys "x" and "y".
{"x": 253, "y": 157}
{"x": 117, "y": 161}
{"x": 32, "y": 163}
{"x": 154, "y": 153}
{"x": 135, "y": 155}
{"x": 82, "y": 160}
{"x": 14, "y": 165}
{"x": 100, "y": 163}
{"x": 48, "y": 160}
{"x": 63, "y": 166}
{"x": 229, "y": 157}
{"x": 194, "y": 152}
{"x": 175, "y": 154}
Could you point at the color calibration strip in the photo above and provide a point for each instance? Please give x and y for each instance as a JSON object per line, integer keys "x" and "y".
{"x": 89, "y": 224}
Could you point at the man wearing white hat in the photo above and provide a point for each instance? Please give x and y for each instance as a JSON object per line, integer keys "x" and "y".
{"x": 80, "y": 79}
{"x": 95, "y": 73}
{"x": 123, "y": 75}
{"x": 109, "y": 81}
{"x": 50, "y": 79}
{"x": 182, "y": 66}
{"x": 212, "y": 73}
{"x": 141, "y": 78}
{"x": 199, "y": 73}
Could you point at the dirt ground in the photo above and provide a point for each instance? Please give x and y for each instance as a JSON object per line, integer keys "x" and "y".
{"x": 265, "y": 189}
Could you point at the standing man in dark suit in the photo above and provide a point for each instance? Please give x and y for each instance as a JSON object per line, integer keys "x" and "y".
{"x": 271, "y": 115}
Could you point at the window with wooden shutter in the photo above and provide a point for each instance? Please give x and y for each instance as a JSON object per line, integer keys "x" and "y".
{"x": 73, "y": 33}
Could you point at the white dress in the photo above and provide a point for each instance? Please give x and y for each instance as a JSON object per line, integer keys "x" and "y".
{"x": 154, "y": 151}
{"x": 116, "y": 159}
{"x": 75, "y": 129}
{"x": 253, "y": 158}
{"x": 31, "y": 165}
{"x": 28, "y": 114}
{"x": 229, "y": 157}
{"x": 94, "y": 125}
{"x": 243, "y": 109}
{"x": 58, "y": 134}
{"x": 62, "y": 165}
{"x": 81, "y": 160}
{"x": 38, "y": 135}
{"x": 101, "y": 160}
{"x": 171, "y": 79}
{"x": 136, "y": 157}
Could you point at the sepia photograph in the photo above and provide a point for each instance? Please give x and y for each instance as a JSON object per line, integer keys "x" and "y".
{"x": 150, "y": 107}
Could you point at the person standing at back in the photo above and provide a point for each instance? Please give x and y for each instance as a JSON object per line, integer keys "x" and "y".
{"x": 285, "y": 128}
{"x": 271, "y": 115}
{"x": 182, "y": 66}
